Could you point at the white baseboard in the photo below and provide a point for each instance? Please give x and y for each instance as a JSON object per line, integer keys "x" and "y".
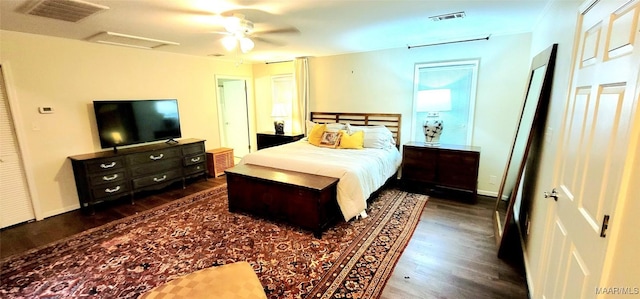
{"x": 488, "y": 193}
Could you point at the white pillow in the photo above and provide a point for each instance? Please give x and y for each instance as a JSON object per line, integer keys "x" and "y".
{"x": 374, "y": 136}
{"x": 331, "y": 127}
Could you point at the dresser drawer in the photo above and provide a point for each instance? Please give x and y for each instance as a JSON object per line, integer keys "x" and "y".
{"x": 426, "y": 168}
{"x": 157, "y": 178}
{"x": 107, "y": 178}
{"x": 106, "y": 164}
{"x": 417, "y": 173}
{"x": 153, "y": 156}
{"x": 114, "y": 189}
{"x": 155, "y": 167}
{"x": 195, "y": 168}
{"x": 459, "y": 161}
{"x": 194, "y": 159}
{"x": 193, "y": 149}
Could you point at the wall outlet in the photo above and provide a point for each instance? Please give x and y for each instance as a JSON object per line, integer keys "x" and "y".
{"x": 492, "y": 179}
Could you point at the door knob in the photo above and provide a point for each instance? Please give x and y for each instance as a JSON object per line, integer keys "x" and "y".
{"x": 553, "y": 194}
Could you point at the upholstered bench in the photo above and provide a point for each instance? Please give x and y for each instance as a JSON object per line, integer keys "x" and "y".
{"x": 231, "y": 281}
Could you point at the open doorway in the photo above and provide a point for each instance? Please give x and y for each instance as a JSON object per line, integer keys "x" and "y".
{"x": 234, "y": 115}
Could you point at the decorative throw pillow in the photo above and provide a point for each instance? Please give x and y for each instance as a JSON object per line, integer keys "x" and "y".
{"x": 330, "y": 139}
{"x": 353, "y": 141}
{"x": 316, "y": 134}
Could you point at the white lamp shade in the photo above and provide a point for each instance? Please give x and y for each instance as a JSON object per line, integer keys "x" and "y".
{"x": 229, "y": 42}
{"x": 433, "y": 100}
{"x": 246, "y": 44}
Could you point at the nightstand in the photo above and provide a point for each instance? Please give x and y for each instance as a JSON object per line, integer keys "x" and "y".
{"x": 447, "y": 167}
{"x": 269, "y": 139}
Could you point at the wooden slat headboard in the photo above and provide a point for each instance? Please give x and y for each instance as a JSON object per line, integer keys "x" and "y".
{"x": 389, "y": 120}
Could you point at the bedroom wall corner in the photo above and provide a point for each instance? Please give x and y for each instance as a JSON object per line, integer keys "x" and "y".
{"x": 382, "y": 81}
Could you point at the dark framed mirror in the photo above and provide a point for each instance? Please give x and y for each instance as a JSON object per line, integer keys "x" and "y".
{"x": 532, "y": 118}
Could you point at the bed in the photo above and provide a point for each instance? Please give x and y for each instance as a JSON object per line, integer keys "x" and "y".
{"x": 361, "y": 172}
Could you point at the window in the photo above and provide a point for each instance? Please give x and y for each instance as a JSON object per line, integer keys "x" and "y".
{"x": 281, "y": 99}
{"x": 445, "y": 91}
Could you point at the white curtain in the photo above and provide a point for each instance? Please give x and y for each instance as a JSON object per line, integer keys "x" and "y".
{"x": 300, "y": 103}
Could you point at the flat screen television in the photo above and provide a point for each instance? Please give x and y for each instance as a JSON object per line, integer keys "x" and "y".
{"x": 126, "y": 122}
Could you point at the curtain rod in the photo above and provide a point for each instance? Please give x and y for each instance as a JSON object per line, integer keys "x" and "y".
{"x": 272, "y": 62}
{"x": 452, "y": 42}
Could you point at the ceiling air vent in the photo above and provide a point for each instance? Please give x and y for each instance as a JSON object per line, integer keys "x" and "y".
{"x": 126, "y": 40}
{"x": 65, "y": 10}
{"x": 449, "y": 16}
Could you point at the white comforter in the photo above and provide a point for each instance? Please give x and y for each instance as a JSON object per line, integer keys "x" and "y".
{"x": 361, "y": 172}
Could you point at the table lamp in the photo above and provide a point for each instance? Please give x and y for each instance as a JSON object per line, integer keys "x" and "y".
{"x": 278, "y": 112}
{"x": 433, "y": 102}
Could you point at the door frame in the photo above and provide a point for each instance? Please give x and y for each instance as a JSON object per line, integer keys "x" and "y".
{"x": 16, "y": 118}
{"x": 250, "y": 109}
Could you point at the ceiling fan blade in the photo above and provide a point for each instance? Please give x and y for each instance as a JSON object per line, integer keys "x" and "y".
{"x": 278, "y": 31}
{"x": 267, "y": 41}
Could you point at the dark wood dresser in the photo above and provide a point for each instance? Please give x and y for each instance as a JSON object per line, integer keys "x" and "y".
{"x": 109, "y": 175}
{"x": 269, "y": 139}
{"x": 444, "y": 167}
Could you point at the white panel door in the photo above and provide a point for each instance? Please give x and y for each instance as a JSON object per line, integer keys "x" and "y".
{"x": 234, "y": 109}
{"x": 594, "y": 147}
{"x": 15, "y": 201}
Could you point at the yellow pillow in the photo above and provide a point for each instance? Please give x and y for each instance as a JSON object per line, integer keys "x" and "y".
{"x": 354, "y": 141}
{"x": 316, "y": 134}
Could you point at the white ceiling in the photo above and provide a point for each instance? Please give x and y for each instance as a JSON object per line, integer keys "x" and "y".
{"x": 325, "y": 27}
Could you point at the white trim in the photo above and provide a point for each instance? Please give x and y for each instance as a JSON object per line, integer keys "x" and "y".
{"x": 14, "y": 109}
{"x": 251, "y": 115}
{"x": 488, "y": 193}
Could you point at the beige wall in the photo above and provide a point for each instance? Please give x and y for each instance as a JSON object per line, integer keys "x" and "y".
{"x": 382, "y": 81}
{"x": 68, "y": 75}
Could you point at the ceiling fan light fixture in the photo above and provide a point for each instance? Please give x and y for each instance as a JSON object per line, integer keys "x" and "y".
{"x": 246, "y": 44}
{"x": 229, "y": 42}
{"x": 232, "y": 24}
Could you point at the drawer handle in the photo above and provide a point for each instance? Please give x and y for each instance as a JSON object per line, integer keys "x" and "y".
{"x": 158, "y": 157}
{"x": 164, "y": 177}
{"x": 105, "y": 166}
{"x": 116, "y": 189}
{"x": 196, "y": 159}
{"x": 110, "y": 178}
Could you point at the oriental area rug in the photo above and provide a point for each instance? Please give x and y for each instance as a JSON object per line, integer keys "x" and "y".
{"x": 130, "y": 256}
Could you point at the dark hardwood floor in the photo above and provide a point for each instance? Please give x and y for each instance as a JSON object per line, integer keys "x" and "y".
{"x": 452, "y": 253}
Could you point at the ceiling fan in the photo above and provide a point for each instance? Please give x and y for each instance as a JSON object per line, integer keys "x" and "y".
{"x": 240, "y": 32}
